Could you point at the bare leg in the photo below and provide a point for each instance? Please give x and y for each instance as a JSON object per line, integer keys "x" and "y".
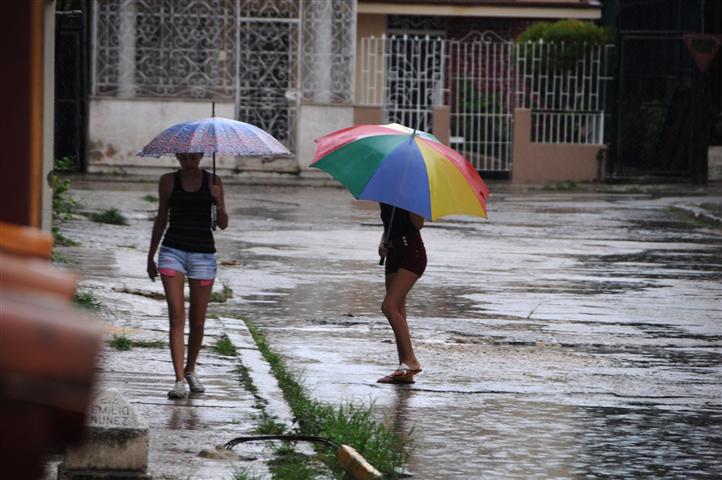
{"x": 197, "y": 318}
{"x": 398, "y": 286}
{"x": 176, "y": 315}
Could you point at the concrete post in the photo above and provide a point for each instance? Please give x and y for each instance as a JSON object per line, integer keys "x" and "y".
{"x": 441, "y": 122}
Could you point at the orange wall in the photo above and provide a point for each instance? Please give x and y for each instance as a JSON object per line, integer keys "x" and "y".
{"x": 21, "y": 84}
{"x": 539, "y": 163}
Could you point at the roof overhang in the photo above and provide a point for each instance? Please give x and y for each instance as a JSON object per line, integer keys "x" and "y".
{"x": 509, "y": 9}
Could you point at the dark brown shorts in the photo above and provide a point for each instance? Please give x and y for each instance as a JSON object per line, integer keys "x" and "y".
{"x": 407, "y": 252}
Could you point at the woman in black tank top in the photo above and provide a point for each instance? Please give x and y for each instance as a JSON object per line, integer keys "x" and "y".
{"x": 188, "y": 250}
{"x": 405, "y": 255}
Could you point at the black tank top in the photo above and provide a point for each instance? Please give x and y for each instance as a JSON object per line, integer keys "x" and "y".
{"x": 190, "y": 218}
{"x": 401, "y": 224}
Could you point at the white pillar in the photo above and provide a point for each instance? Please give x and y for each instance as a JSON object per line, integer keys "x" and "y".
{"x": 126, "y": 53}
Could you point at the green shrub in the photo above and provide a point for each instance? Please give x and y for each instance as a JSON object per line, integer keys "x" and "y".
{"x": 568, "y": 31}
{"x": 571, "y": 40}
{"x": 63, "y": 204}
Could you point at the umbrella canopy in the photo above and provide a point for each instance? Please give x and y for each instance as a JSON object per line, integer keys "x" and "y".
{"x": 403, "y": 167}
{"x": 214, "y": 135}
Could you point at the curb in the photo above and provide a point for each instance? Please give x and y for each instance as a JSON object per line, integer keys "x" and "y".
{"x": 701, "y": 214}
{"x": 356, "y": 465}
{"x": 258, "y": 369}
{"x": 264, "y": 380}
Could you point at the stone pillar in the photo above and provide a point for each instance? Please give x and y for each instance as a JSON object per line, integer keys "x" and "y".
{"x": 115, "y": 446}
{"x": 441, "y": 123}
{"x": 126, "y": 54}
{"x": 322, "y": 35}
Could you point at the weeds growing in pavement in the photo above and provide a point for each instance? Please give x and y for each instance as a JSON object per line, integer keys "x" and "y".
{"x": 345, "y": 424}
{"x": 123, "y": 343}
{"x": 269, "y": 425}
{"x": 222, "y": 296}
{"x": 63, "y": 205}
{"x": 87, "y": 301}
{"x": 150, "y": 198}
{"x": 245, "y": 474}
{"x": 287, "y": 464}
{"x": 62, "y": 240}
{"x": 565, "y": 186}
{"x": 224, "y": 346}
{"x": 112, "y": 216}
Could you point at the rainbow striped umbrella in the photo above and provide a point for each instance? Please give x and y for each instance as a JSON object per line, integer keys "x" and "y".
{"x": 403, "y": 167}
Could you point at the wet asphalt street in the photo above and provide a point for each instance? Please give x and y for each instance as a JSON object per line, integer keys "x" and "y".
{"x": 570, "y": 335}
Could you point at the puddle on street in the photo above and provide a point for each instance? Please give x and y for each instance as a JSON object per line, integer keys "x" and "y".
{"x": 568, "y": 336}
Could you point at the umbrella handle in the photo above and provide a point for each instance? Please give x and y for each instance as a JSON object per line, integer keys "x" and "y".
{"x": 214, "y": 215}
{"x": 382, "y": 259}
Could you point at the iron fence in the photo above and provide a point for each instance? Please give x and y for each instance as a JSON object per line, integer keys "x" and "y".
{"x": 483, "y": 78}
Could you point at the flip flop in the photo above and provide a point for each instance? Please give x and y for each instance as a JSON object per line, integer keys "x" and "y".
{"x": 403, "y": 374}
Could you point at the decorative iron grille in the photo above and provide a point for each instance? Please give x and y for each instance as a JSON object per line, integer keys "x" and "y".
{"x": 162, "y": 48}
{"x": 267, "y": 75}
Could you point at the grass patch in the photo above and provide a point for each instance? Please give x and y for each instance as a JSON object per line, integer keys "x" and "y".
{"x": 244, "y": 378}
{"x": 695, "y": 220}
{"x": 62, "y": 240}
{"x": 222, "y": 296}
{"x": 112, "y": 216}
{"x": 150, "y": 198}
{"x": 269, "y": 425}
{"x": 287, "y": 464}
{"x": 58, "y": 257}
{"x": 123, "y": 343}
{"x": 245, "y": 474}
{"x": 565, "y": 186}
{"x": 224, "y": 346}
{"x": 87, "y": 301}
{"x": 346, "y": 424}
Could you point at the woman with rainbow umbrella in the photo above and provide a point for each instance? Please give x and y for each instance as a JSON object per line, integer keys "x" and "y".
{"x": 414, "y": 177}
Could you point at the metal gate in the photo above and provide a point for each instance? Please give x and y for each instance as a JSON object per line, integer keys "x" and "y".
{"x": 409, "y": 75}
{"x": 267, "y": 66}
{"x": 71, "y": 73}
{"x": 483, "y": 78}
{"x": 657, "y": 87}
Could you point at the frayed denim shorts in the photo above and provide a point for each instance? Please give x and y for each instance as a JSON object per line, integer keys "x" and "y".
{"x": 198, "y": 266}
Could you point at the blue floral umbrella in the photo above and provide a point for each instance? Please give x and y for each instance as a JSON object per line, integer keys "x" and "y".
{"x": 214, "y": 135}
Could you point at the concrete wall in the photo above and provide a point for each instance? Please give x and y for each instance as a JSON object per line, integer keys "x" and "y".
{"x": 539, "y": 163}
{"x": 118, "y": 128}
{"x": 315, "y": 121}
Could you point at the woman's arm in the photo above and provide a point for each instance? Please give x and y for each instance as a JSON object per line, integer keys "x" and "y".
{"x": 165, "y": 186}
{"x": 217, "y": 194}
{"x": 417, "y": 220}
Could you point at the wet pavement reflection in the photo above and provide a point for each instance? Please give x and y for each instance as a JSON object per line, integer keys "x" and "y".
{"x": 571, "y": 335}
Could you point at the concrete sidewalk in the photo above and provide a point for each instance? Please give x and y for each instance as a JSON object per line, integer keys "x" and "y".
{"x": 186, "y": 436}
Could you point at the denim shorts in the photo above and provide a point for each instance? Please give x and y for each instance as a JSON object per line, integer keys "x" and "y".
{"x": 200, "y": 266}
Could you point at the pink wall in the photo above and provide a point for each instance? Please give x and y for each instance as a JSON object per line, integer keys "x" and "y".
{"x": 539, "y": 163}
